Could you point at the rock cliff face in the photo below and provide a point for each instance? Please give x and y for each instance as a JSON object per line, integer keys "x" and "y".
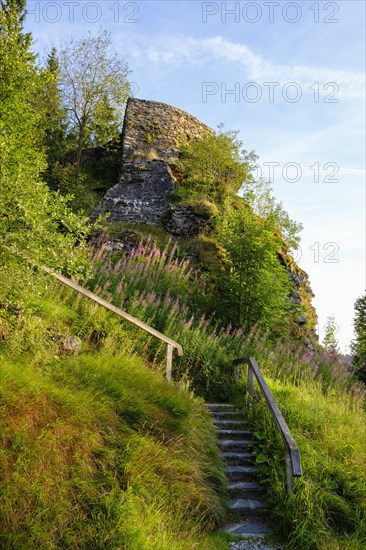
{"x": 153, "y": 135}
{"x": 302, "y": 295}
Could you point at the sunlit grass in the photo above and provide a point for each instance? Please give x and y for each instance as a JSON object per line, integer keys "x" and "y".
{"x": 328, "y": 508}
{"x": 97, "y": 451}
{"x": 101, "y": 453}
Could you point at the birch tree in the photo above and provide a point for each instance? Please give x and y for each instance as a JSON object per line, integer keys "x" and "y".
{"x": 94, "y": 87}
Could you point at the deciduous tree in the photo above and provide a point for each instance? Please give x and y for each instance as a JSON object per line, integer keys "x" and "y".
{"x": 94, "y": 89}
{"x": 255, "y": 285}
{"x": 216, "y": 166}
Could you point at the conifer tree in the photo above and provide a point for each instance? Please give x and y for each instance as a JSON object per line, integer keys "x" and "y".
{"x": 33, "y": 221}
{"x": 56, "y": 122}
{"x": 358, "y": 346}
{"x": 330, "y": 341}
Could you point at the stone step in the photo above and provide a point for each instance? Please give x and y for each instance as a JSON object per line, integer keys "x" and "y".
{"x": 220, "y": 406}
{"x": 232, "y": 423}
{"x": 235, "y": 440}
{"x": 229, "y": 413}
{"x": 237, "y": 458}
{"x": 235, "y": 444}
{"x": 246, "y": 489}
{"x": 245, "y": 505}
{"x": 245, "y": 486}
{"x": 239, "y": 473}
{"x": 247, "y": 528}
{"x": 234, "y": 433}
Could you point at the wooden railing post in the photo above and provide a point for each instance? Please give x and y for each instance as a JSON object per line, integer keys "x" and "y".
{"x": 292, "y": 453}
{"x": 169, "y": 362}
{"x": 250, "y": 380}
{"x": 289, "y": 473}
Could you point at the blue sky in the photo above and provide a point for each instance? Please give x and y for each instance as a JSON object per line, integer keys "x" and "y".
{"x": 288, "y": 75}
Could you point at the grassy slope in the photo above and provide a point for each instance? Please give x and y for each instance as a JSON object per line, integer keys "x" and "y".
{"x": 131, "y": 461}
{"x": 328, "y": 509}
{"x": 96, "y": 450}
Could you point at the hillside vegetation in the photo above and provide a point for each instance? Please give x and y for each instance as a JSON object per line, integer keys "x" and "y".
{"x": 96, "y": 449}
{"x": 134, "y": 443}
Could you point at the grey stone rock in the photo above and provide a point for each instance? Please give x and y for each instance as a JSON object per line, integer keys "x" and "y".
{"x": 183, "y": 221}
{"x": 153, "y": 136}
{"x": 253, "y": 543}
{"x": 71, "y": 345}
{"x": 296, "y": 298}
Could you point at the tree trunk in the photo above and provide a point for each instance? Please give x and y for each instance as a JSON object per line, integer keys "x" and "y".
{"x": 80, "y": 147}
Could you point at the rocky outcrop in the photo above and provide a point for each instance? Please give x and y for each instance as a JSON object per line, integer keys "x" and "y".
{"x": 183, "y": 221}
{"x": 142, "y": 196}
{"x": 153, "y": 136}
{"x": 302, "y": 295}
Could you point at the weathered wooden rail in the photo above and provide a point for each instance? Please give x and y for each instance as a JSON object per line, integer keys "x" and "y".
{"x": 171, "y": 344}
{"x": 292, "y": 453}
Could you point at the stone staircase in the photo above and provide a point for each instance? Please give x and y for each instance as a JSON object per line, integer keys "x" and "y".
{"x": 247, "y": 498}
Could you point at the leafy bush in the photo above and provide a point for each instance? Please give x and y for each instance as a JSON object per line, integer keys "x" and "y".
{"x": 216, "y": 166}
{"x": 33, "y": 221}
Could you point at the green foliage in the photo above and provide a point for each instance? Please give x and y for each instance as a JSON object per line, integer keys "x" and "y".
{"x": 250, "y": 232}
{"x": 259, "y": 195}
{"x": 330, "y": 341}
{"x": 358, "y": 346}
{"x": 164, "y": 291}
{"x": 254, "y": 285}
{"x": 94, "y": 91}
{"x": 97, "y": 450}
{"x": 122, "y": 446}
{"x": 33, "y": 221}
{"x": 55, "y": 138}
{"x": 328, "y": 508}
{"x": 216, "y": 166}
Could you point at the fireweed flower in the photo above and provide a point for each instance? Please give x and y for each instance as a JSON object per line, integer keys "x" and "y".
{"x": 188, "y": 324}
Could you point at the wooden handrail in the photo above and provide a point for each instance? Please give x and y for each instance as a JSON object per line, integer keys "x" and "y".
{"x": 292, "y": 453}
{"x": 170, "y": 343}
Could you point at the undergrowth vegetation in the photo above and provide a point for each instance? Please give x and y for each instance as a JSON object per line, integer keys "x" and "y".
{"x": 96, "y": 450}
{"x": 316, "y": 390}
{"x": 327, "y": 511}
{"x": 325, "y": 409}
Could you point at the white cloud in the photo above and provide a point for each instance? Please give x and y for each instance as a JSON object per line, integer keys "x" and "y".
{"x": 173, "y": 50}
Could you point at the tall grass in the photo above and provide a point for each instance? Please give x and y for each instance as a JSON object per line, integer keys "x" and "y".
{"x": 162, "y": 289}
{"x": 98, "y": 451}
{"x": 328, "y": 508}
{"x": 316, "y": 390}
{"x": 101, "y": 453}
